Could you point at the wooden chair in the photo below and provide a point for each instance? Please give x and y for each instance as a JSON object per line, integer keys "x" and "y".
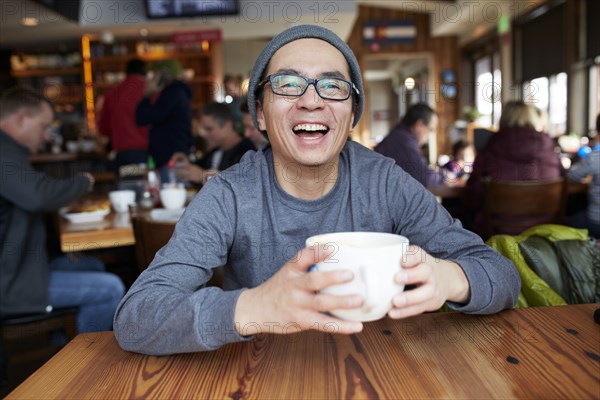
{"x": 21, "y": 331}
{"x": 518, "y": 205}
{"x": 151, "y": 236}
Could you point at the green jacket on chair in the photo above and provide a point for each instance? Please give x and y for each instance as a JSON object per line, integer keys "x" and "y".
{"x": 558, "y": 265}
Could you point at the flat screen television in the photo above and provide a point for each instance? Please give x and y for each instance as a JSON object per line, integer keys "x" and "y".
{"x": 190, "y": 8}
{"x": 67, "y": 8}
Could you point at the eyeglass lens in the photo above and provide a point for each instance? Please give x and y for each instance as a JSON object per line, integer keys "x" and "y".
{"x": 294, "y": 85}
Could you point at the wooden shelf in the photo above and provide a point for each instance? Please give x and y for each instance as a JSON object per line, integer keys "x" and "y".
{"x": 67, "y": 99}
{"x": 46, "y": 72}
{"x": 151, "y": 56}
{"x": 101, "y": 85}
{"x": 52, "y": 158}
{"x": 206, "y": 65}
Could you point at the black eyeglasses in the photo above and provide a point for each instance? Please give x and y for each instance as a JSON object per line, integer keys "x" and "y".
{"x": 296, "y": 85}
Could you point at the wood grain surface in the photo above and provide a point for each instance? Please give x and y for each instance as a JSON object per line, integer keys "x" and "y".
{"x": 542, "y": 353}
{"x": 113, "y": 231}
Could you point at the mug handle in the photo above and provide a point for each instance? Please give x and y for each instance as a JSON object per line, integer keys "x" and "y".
{"x": 371, "y": 281}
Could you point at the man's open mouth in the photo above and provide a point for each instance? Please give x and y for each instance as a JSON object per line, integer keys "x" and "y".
{"x": 310, "y": 130}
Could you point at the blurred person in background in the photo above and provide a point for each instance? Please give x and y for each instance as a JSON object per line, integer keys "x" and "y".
{"x": 456, "y": 172}
{"x": 404, "y": 142}
{"x": 117, "y": 118}
{"x": 517, "y": 152}
{"x": 166, "y": 109}
{"x": 589, "y": 166}
{"x": 250, "y": 131}
{"x": 227, "y": 146}
{"x": 234, "y": 99}
{"x": 461, "y": 164}
{"x": 29, "y": 283}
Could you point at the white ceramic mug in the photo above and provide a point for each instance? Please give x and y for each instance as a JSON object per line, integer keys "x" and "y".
{"x": 173, "y": 196}
{"x": 374, "y": 258}
{"x": 121, "y": 199}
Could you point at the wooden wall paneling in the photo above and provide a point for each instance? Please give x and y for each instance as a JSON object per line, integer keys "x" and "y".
{"x": 445, "y": 56}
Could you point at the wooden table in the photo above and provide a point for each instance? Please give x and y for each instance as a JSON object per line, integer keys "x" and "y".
{"x": 545, "y": 352}
{"x": 113, "y": 231}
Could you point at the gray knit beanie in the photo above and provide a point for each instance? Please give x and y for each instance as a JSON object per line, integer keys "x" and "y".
{"x": 303, "y": 32}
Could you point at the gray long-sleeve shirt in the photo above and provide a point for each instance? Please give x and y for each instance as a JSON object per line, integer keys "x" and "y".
{"x": 244, "y": 219}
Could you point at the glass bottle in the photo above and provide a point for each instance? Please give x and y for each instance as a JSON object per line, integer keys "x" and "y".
{"x": 152, "y": 181}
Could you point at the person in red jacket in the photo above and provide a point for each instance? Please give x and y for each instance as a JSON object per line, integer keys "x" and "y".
{"x": 517, "y": 152}
{"x": 117, "y": 118}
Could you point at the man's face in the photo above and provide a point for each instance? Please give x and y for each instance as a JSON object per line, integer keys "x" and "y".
{"x": 212, "y": 132}
{"x": 306, "y": 130}
{"x": 34, "y": 127}
{"x": 422, "y": 130}
{"x": 250, "y": 132}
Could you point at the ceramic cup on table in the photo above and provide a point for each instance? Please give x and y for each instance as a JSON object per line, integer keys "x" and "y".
{"x": 374, "y": 258}
{"x": 121, "y": 200}
{"x": 173, "y": 196}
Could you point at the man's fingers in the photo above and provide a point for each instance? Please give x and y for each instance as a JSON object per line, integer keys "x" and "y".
{"x": 179, "y": 157}
{"x": 309, "y": 256}
{"x": 413, "y": 256}
{"x": 326, "y": 302}
{"x": 405, "y": 312}
{"x": 413, "y": 275}
{"x": 414, "y": 297}
{"x": 319, "y": 280}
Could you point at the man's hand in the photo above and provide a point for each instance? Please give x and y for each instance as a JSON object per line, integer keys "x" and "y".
{"x": 436, "y": 282}
{"x": 91, "y": 179}
{"x": 187, "y": 171}
{"x": 289, "y": 301}
{"x": 153, "y": 85}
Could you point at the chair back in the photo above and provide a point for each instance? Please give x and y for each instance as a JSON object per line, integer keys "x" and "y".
{"x": 150, "y": 236}
{"x": 514, "y": 206}
{"x": 20, "y": 334}
{"x": 480, "y": 137}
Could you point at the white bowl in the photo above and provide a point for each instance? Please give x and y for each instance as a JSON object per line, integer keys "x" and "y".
{"x": 72, "y": 146}
{"x": 173, "y": 197}
{"x": 121, "y": 200}
{"x": 87, "y": 146}
{"x": 163, "y": 215}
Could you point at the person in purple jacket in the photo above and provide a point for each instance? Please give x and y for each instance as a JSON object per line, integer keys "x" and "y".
{"x": 517, "y": 152}
{"x": 404, "y": 142}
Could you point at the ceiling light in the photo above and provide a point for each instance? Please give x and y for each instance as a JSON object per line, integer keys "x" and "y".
{"x": 409, "y": 83}
{"x": 30, "y": 21}
{"x": 107, "y": 37}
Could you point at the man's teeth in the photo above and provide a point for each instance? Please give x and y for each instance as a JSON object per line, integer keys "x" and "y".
{"x": 310, "y": 128}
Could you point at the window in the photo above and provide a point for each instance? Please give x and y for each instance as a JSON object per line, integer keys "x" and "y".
{"x": 594, "y": 99}
{"x": 549, "y": 94}
{"x": 487, "y": 90}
